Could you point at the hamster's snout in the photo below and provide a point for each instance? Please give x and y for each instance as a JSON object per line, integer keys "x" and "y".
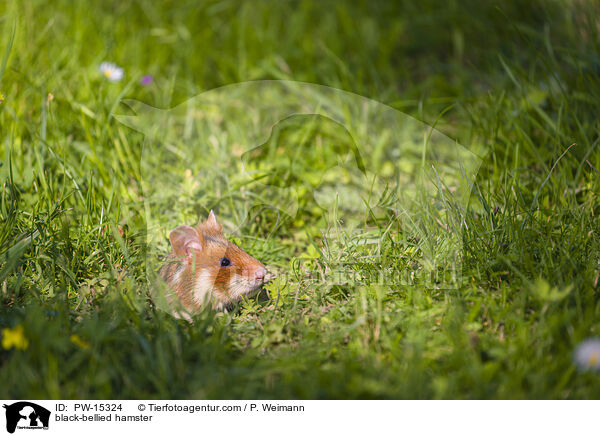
{"x": 256, "y": 276}
{"x": 259, "y": 274}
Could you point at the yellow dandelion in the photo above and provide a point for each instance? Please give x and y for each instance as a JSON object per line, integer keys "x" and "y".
{"x": 79, "y": 342}
{"x": 14, "y": 338}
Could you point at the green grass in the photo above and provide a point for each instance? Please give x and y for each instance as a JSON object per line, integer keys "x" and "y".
{"x": 520, "y": 80}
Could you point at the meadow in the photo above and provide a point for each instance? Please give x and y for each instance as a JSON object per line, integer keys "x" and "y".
{"x": 517, "y": 83}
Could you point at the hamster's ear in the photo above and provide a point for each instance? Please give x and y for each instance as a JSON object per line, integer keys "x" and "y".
{"x": 211, "y": 223}
{"x": 184, "y": 239}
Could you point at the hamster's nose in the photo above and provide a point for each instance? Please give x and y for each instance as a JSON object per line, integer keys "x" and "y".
{"x": 260, "y": 274}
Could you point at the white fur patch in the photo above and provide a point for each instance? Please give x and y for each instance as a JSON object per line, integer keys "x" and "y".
{"x": 239, "y": 286}
{"x": 203, "y": 287}
{"x": 176, "y": 275}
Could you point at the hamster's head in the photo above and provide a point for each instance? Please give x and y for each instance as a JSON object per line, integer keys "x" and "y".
{"x": 205, "y": 267}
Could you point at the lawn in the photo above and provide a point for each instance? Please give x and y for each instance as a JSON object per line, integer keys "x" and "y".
{"x": 487, "y": 294}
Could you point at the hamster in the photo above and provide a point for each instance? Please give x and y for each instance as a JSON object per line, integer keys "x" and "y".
{"x": 205, "y": 268}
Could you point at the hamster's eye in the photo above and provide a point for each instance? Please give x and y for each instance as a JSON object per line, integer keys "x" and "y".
{"x": 225, "y": 262}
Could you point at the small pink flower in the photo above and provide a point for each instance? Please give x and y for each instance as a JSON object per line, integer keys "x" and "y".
{"x": 147, "y": 80}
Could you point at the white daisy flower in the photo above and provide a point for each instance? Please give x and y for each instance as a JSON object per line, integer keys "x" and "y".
{"x": 112, "y": 72}
{"x": 587, "y": 354}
